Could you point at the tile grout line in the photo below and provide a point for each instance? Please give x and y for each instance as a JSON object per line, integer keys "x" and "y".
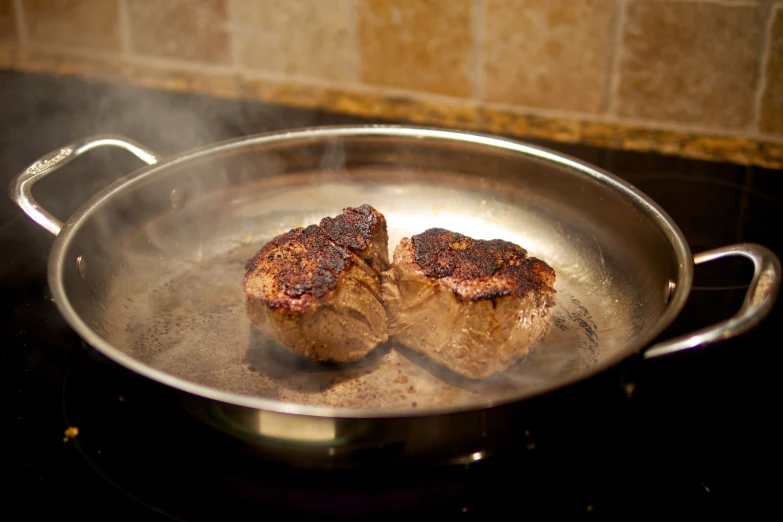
{"x": 154, "y": 62}
{"x": 726, "y": 3}
{"x": 766, "y": 42}
{"x": 478, "y": 14}
{"x": 614, "y": 31}
{"x": 353, "y": 24}
{"x": 125, "y": 38}
{"x": 730, "y": 3}
{"x": 613, "y": 83}
{"x": 233, "y": 31}
{"x": 21, "y": 24}
{"x": 413, "y": 97}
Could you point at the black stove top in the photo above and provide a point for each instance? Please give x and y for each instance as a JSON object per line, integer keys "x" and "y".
{"x": 696, "y": 437}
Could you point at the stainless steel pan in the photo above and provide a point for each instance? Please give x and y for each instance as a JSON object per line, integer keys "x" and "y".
{"x": 149, "y": 273}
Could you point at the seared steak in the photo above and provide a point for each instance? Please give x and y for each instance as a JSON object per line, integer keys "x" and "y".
{"x": 474, "y": 306}
{"x": 363, "y": 231}
{"x": 310, "y": 291}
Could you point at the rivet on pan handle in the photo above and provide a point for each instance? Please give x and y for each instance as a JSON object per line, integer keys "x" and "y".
{"x": 21, "y": 186}
{"x": 760, "y": 298}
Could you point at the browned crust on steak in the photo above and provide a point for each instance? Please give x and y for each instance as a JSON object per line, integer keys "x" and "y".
{"x": 480, "y": 269}
{"x": 353, "y": 228}
{"x": 296, "y": 268}
{"x": 361, "y": 230}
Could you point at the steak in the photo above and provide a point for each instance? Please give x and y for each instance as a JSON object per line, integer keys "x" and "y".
{"x": 474, "y": 306}
{"x": 363, "y": 231}
{"x": 312, "y": 290}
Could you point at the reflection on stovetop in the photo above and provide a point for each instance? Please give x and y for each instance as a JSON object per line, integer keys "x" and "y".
{"x": 692, "y": 437}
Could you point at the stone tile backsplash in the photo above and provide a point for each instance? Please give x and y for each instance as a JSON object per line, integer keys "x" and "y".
{"x": 690, "y": 62}
{"x": 82, "y": 24}
{"x": 425, "y": 46}
{"x": 7, "y": 21}
{"x": 306, "y": 38}
{"x": 551, "y": 54}
{"x": 191, "y": 30}
{"x": 703, "y": 66}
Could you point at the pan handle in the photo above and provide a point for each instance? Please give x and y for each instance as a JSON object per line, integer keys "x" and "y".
{"x": 21, "y": 186}
{"x": 759, "y": 299}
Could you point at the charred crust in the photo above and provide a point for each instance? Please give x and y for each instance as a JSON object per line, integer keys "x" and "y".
{"x": 301, "y": 262}
{"x": 304, "y": 264}
{"x": 353, "y": 228}
{"x": 480, "y": 269}
{"x": 442, "y": 253}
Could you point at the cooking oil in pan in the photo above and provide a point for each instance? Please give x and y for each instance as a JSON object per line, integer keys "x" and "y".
{"x": 194, "y": 326}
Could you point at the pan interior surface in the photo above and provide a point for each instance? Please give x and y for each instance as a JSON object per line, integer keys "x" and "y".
{"x": 165, "y": 251}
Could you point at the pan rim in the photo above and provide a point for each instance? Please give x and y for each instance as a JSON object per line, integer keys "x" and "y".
{"x": 665, "y": 223}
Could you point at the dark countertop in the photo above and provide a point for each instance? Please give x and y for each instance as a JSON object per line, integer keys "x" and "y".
{"x": 697, "y": 438}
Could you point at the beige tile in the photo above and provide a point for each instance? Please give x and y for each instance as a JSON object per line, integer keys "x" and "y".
{"x": 7, "y": 21}
{"x": 312, "y": 38}
{"x": 771, "y": 109}
{"x": 689, "y": 62}
{"x": 547, "y": 53}
{"x": 91, "y": 24}
{"x": 193, "y": 30}
{"x": 417, "y": 45}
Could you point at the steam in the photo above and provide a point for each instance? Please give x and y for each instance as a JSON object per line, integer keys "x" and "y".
{"x": 191, "y": 323}
{"x": 166, "y": 288}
